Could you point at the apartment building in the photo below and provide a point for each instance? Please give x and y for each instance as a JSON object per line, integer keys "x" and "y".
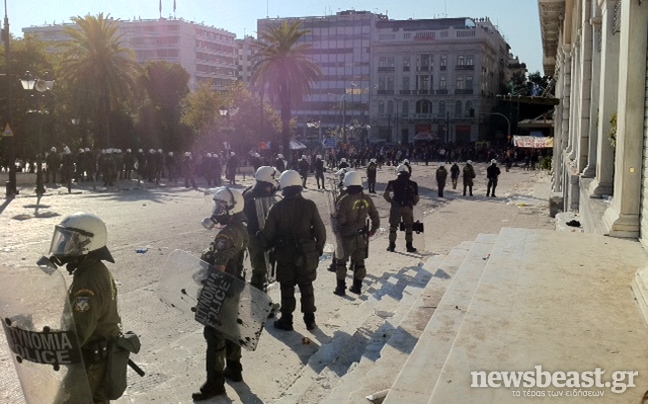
{"x": 207, "y": 53}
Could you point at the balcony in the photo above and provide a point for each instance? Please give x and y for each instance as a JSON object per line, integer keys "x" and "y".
{"x": 383, "y": 69}
{"x": 405, "y": 92}
{"x": 442, "y": 91}
{"x": 427, "y": 116}
{"x": 465, "y": 67}
{"x": 443, "y": 68}
{"x": 406, "y": 68}
{"x": 423, "y": 68}
{"x": 423, "y": 91}
{"x": 464, "y": 91}
{"x": 385, "y": 92}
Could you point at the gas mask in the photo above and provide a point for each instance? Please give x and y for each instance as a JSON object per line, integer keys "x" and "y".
{"x": 219, "y": 218}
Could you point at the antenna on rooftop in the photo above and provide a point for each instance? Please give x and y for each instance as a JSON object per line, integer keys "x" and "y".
{"x": 267, "y": 8}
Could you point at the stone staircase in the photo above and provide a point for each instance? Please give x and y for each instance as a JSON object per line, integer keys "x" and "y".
{"x": 505, "y": 302}
{"x": 391, "y": 319}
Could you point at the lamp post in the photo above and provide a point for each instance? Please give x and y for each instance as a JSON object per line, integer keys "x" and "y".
{"x": 508, "y": 135}
{"x": 30, "y": 83}
{"x": 343, "y": 110}
{"x": 227, "y": 112}
{"x": 10, "y": 190}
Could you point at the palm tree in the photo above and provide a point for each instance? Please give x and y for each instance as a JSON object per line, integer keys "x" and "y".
{"x": 101, "y": 70}
{"x": 285, "y": 68}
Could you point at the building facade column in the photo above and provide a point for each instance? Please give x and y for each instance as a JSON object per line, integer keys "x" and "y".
{"x": 592, "y": 154}
{"x": 608, "y": 88}
{"x": 622, "y": 216}
{"x": 583, "y": 130}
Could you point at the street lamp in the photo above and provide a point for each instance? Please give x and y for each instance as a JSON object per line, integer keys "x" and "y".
{"x": 30, "y": 83}
{"x": 343, "y": 110}
{"x": 227, "y": 112}
{"x": 508, "y": 135}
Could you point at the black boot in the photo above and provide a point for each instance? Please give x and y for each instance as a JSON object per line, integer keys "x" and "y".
{"x": 284, "y": 323}
{"x": 357, "y": 286}
{"x": 309, "y": 319}
{"x": 233, "y": 371}
{"x": 392, "y": 247}
{"x": 341, "y": 286}
{"x": 410, "y": 247}
{"x": 208, "y": 391}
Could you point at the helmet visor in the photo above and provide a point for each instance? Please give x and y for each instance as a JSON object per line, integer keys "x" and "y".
{"x": 69, "y": 242}
{"x": 220, "y": 208}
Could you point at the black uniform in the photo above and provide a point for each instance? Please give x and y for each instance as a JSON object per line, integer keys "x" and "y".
{"x": 295, "y": 229}
{"x": 319, "y": 172}
{"x": 468, "y": 176}
{"x": 441, "y": 175}
{"x": 454, "y": 175}
{"x": 492, "y": 172}
{"x": 371, "y": 177}
{"x": 405, "y": 196}
{"x": 304, "y": 167}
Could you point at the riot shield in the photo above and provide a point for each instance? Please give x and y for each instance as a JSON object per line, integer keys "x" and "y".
{"x": 215, "y": 299}
{"x": 262, "y": 207}
{"x": 332, "y": 195}
{"x": 39, "y": 328}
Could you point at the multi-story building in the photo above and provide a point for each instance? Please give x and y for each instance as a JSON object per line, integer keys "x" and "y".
{"x": 436, "y": 78}
{"x": 207, "y": 53}
{"x": 246, "y": 50}
{"x": 395, "y": 79}
{"x": 341, "y": 46}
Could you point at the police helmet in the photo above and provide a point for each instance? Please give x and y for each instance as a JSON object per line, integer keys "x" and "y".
{"x": 128, "y": 150}
{"x": 81, "y": 150}
{"x": 87, "y": 149}
{"x": 265, "y": 174}
{"x": 352, "y": 178}
{"x": 53, "y": 149}
{"x": 290, "y": 178}
{"x": 188, "y": 154}
{"x": 208, "y": 155}
{"x": 343, "y": 160}
{"x": 79, "y": 234}
{"x": 493, "y": 161}
{"x": 228, "y": 201}
{"x": 280, "y": 156}
{"x": 406, "y": 161}
{"x": 401, "y": 169}
{"x": 469, "y": 162}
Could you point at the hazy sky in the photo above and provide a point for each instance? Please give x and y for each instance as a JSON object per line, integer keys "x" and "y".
{"x": 517, "y": 20}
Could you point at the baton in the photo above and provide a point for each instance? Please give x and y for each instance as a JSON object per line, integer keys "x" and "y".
{"x": 136, "y": 368}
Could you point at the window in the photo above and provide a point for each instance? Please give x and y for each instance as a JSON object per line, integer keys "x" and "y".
{"x": 390, "y": 107}
{"x": 406, "y": 63}
{"x": 461, "y": 61}
{"x": 425, "y": 62}
{"x": 423, "y": 107}
{"x": 470, "y": 60}
{"x": 406, "y": 83}
{"x": 405, "y": 108}
{"x": 382, "y": 83}
{"x": 442, "y": 82}
{"x": 469, "y": 82}
{"x": 381, "y": 108}
{"x": 460, "y": 83}
{"x": 390, "y": 84}
{"x": 458, "y": 108}
{"x": 443, "y": 61}
{"x": 425, "y": 82}
{"x": 382, "y": 61}
{"x": 442, "y": 108}
{"x": 390, "y": 61}
{"x": 469, "y": 109}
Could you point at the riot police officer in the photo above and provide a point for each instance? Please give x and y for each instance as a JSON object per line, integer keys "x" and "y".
{"x": 296, "y": 231}
{"x": 264, "y": 187}
{"x": 319, "y": 171}
{"x": 402, "y": 195}
{"x": 351, "y": 213}
{"x": 79, "y": 243}
{"x": 371, "y": 176}
{"x": 226, "y": 254}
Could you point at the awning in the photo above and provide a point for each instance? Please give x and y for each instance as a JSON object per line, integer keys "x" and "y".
{"x": 296, "y": 145}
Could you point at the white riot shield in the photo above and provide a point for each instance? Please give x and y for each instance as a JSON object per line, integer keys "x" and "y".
{"x": 215, "y": 299}
{"x": 39, "y": 328}
{"x": 262, "y": 207}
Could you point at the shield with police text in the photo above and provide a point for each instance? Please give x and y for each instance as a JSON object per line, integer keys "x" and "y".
{"x": 39, "y": 329}
{"x": 215, "y": 298}
{"x": 263, "y": 205}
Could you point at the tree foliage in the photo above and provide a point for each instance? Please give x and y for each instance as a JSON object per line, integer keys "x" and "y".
{"x": 285, "y": 69}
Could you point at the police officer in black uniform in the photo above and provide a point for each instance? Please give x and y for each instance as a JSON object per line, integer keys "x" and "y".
{"x": 402, "y": 195}
{"x": 226, "y": 254}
